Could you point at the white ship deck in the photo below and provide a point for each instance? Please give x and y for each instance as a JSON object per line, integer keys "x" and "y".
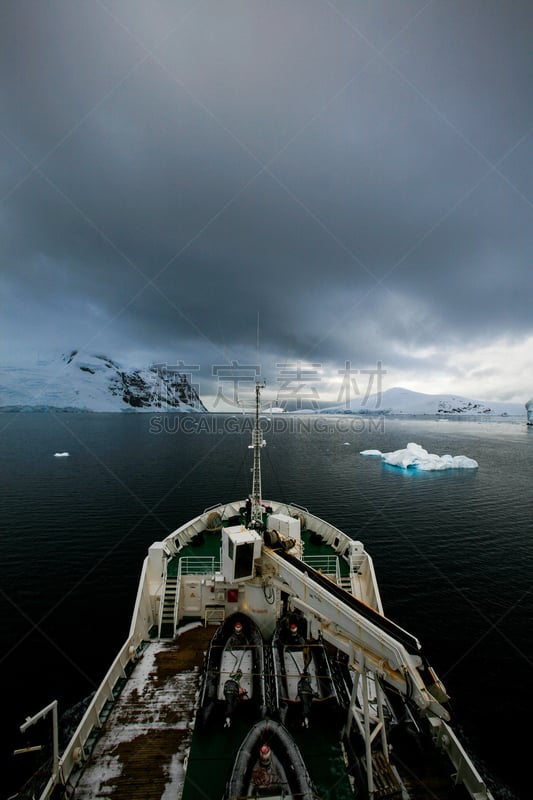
{"x": 140, "y": 752}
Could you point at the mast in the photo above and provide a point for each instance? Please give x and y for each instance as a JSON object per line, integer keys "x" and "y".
{"x": 257, "y": 443}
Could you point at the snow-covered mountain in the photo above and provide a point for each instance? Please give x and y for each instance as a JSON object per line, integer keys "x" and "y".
{"x": 80, "y": 382}
{"x": 405, "y": 401}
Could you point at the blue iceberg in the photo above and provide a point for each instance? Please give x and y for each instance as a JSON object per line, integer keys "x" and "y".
{"x": 414, "y": 456}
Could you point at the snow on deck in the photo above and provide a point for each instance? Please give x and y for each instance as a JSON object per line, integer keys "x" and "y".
{"x": 145, "y": 740}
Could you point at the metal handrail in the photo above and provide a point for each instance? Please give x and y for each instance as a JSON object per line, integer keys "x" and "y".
{"x": 198, "y": 565}
{"x": 328, "y": 565}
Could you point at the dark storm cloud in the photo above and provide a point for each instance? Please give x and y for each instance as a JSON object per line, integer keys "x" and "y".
{"x": 353, "y": 172}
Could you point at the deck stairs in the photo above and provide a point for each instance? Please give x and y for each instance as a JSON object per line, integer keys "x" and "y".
{"x": 345, "y": 582}
{"x": 167, "y": 621}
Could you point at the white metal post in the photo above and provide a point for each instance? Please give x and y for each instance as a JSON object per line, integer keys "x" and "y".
{"x": 368, "y": 740}
{"x": 257, "y": 443}
{"x": 55, "y": 737}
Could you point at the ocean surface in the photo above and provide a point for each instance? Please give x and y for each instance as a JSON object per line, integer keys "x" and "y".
{"x": 453, "y": 550}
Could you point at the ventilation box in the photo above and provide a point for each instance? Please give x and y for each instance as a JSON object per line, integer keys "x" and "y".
{"x": 284, "y": 525}
{"x": 240, "y": 548}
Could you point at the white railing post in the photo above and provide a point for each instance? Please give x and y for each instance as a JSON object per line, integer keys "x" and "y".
{"x": 55, "y": 737}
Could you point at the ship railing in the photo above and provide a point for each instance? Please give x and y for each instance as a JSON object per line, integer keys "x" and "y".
{"x": 210, "y": 508}
{"x": 97, "y": 712}
{"x": 142, "y": 613}
{"x": 298, "y": 507}
{"x": 326, "y": 564}
{"x": 161, "y": 594}
{"x": 81, "y": 743}
{"x": 198, "y": 565}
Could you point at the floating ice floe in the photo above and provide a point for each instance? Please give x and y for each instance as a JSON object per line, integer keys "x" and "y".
{"x": 61, "y": 455}
{"x": 416, "y": 457}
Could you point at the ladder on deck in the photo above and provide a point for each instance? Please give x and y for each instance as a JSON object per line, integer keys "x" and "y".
{"x": 345, "y": 582}
{"x": 167, "y": 618}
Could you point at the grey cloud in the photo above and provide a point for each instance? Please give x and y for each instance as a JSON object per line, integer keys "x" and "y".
{"x": 356, "y": 173}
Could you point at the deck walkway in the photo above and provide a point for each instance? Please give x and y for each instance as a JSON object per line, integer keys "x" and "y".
{"x": 139, "y": 753}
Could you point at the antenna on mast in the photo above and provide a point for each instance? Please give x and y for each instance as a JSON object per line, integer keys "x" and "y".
{"x": 257, "y": 443}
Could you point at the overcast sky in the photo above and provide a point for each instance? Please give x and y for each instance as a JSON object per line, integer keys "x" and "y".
{"x": 272, "y": 182}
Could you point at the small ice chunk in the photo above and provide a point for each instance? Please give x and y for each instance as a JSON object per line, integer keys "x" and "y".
{"x": 370, "y": 452}
{"x": 61, "y": 455}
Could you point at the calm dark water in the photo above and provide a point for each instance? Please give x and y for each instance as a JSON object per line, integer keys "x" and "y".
{"x": 453, "y": 550}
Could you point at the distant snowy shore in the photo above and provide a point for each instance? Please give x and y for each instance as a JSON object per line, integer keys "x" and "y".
{"x": 79, "y": 382}
{"x": 400, "y": 401}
